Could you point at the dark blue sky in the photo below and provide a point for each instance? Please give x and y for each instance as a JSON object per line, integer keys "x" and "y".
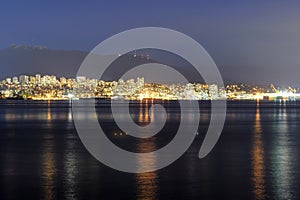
{"x": 257, "y": 39}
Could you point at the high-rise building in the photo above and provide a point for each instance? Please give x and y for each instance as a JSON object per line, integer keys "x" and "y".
{"x": 15, "y": 79}
{"x": 92, "y": 82}
{"x": 8, "y": 80}
{"x": 38, "y": 78}
{"x": 80, "y": 79}
{"x": 140, "y": 81}
{"x": 24, "y": 79}
{"x": 32, "y": 80}
{"x": 213, "y": 91}
{"x": 53, "y": 79}
{"x": 63, "y": 80}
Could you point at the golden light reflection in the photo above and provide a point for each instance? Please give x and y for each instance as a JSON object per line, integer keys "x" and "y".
{"x": 152, "y": 118}
{"x": 49, "y": 116}
{"x": 70, "y": 117}
{"x": 141, "y": 111}
{"x": 49, "y": 171}
{"x": 147, "y": 182}
{"x": 146, "y": 112}
{"x": 258, "y": 159}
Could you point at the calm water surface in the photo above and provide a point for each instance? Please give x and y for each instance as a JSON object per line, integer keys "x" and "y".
{"x": 257, "y": 156}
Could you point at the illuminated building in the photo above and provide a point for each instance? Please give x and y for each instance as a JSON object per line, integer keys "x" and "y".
{"x": 63, "y": 80}
{"x": 8, "y": 80}
{"x": 32, "y": 79}
{"x": 24, "y": 79}
{"x": 81, "y": 80}
{"x": 51, "y": 87}
{"x": 38, "y": 78}
{"x": 15, "y": 80}
{"x": 213, "y": 91}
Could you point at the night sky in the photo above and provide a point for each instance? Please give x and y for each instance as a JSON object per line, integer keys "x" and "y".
{"x": 257, "y": 41}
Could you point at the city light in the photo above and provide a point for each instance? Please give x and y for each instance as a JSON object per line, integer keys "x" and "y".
{"x": 49, "y": 87}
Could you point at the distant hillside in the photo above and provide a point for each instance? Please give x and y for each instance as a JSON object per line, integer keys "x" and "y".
{"x": 30, "y": 60}
{"x": 17, "y": 60}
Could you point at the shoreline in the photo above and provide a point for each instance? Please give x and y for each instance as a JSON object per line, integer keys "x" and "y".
{"x": 154, "y": 99}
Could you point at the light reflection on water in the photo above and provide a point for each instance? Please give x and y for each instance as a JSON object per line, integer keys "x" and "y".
{"x": 147, "y": 183}
{"x": 281, "y": 158}
{"x": 258, "y": 159}
{"x": 71, "y": 171}
{"x": 40, "y": 144}
{"x": 49, "y": 170}
{"x": 49, "y": 116}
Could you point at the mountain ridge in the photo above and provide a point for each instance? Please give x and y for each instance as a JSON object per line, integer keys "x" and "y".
{"x": 29, "y": 60}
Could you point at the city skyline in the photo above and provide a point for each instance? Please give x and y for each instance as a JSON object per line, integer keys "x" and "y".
{"x": 50, "y": 87}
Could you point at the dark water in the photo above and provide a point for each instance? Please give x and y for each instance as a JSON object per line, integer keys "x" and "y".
{"x": 257, "y": 156}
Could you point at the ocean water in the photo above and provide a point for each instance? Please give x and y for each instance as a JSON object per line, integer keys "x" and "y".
{"x": 256, "y": 157}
